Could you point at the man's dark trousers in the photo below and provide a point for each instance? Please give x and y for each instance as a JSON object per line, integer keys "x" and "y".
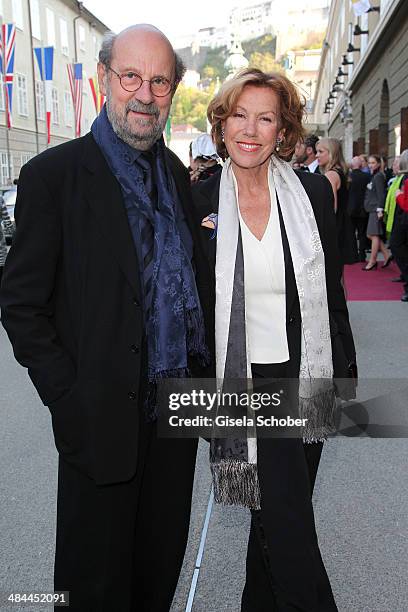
{"x": 120, "y": 547}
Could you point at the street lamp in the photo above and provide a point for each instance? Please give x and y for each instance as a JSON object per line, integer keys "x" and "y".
{"x": 346, "y": 62}
{"x": 358, "y": 31}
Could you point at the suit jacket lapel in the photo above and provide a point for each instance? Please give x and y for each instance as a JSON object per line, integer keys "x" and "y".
{"x": 104, "y": 196}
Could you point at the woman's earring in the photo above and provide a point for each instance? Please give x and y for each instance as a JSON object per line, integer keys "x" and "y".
{"x": 278, "y": 144}
{"x": 222, "y": 134}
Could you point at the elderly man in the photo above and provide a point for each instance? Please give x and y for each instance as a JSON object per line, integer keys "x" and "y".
{"x": 357, "y": 190}
{"x": 305, "y": 154}
{"x": 100, "y": 300}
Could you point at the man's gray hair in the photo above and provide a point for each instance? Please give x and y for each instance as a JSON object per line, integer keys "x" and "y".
{"x": 106, "y": 51}
{"x": 403, "y": 162}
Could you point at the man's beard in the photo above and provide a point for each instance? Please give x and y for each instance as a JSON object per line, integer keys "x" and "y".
{"x": 143, "y": 139}
{"x": 301, "y": 158}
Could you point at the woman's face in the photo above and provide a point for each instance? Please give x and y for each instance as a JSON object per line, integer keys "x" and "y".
{"x": 250, "y": 133}
{"x": 322, "y": 155}
{"x": 373, "y": 164}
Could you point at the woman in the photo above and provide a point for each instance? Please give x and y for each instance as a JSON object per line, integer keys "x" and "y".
{"x": 331, "y": 163}
{"x": 270, "y": 227}
{"x": 374, "y": 204}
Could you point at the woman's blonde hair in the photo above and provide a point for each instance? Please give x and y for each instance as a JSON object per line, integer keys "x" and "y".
{"x": 336, "y": 158}
{"x": 291, "y": 107}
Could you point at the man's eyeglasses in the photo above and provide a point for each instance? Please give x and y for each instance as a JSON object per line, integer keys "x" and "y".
{"x": 131, "y": 82}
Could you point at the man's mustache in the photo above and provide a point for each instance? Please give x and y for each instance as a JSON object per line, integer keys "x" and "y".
{"x": 139, "y": 107}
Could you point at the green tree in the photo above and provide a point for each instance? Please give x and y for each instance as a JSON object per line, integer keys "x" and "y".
{"x": 190, "y": 106}
{"x": 265, "y": 62}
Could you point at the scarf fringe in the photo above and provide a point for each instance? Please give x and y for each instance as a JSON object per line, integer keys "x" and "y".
{"x": 236, "y": 483}
{"x": 196, "y": 345}
{"x": 320, "y": 412}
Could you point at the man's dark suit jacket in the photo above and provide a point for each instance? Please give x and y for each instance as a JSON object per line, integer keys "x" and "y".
{"x": 71, "y": 303}
{"x": 356, "y": 193}
{"x": 318, "y": 188}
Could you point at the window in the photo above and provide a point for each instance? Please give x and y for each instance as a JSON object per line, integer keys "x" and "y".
{"x": 64, "y": 36}
{"x": 82, "y": 45}
{"x": 50, "y": 26}
{"x": 68, "y": 109}
{"x": 40, "y": 100}
{"x": 6, "y": 172}
{"x": 22, "y": 105}
{"x": 95, "y": 45}
{"x": 25, "y": 157}
{"x": 17, "y": 8}
{"x": 55, "y": 106}
{"x": 35, "y": 19}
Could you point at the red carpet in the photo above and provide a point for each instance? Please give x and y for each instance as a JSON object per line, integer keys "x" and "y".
{"x": 372, "y": 286}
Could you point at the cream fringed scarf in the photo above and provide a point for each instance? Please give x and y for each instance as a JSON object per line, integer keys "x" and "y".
{"x": 234, "y": 462}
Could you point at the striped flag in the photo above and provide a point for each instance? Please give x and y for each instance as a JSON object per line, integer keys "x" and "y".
{"x": 45, "y": 59}
{"x": 98, "y": 97}
{"x": 361, "y": 6}
{"x": 76, "y": 85}
{"x": 7, "y": 48}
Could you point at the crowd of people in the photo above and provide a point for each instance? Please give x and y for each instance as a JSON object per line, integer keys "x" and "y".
{"x": 370, "y": 201}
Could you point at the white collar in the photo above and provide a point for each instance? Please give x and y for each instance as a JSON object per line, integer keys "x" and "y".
{"x": 312, "y": 167}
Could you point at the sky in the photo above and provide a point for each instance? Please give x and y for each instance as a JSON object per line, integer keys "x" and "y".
{"x": 174, "y": 17}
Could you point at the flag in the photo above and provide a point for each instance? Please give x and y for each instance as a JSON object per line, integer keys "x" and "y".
{"x": 7, "y": 48}
{"x": 45, "y": 59}
{"x": 76, "y": 85}
{"x": 98, "y": 97}
{"x": 361, "y": 6}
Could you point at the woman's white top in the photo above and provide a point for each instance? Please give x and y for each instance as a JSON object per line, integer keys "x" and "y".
{"x": 265, "y": 293}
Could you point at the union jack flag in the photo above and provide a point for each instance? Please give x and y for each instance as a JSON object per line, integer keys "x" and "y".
{"x": 7, "y": 48}
{"x": 76, "y": 85}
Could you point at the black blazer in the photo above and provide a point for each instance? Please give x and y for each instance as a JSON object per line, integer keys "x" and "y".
{"x": 70, "y": 300}
{"x": 318, "y": 188}
{"x": 356, "y": 193}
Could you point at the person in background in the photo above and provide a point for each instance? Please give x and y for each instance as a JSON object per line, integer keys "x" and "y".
{"x": 399, "y": 234}
{"x": 333, "y": 166}
{"x": 374, "y": 203}
{"x": 388, "y": 173}
{"x": 357, "y": 188}
{"x": 205, "y": 158}
{"x": 192, "y": 164}
{"x": 5, "y": 224}
{"x": 390, "y": 201}
{"x": 305, "y": 154}
{"x": 364, "y": 164}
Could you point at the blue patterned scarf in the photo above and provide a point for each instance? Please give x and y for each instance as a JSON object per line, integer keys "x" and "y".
{"x": 175, "y": 326}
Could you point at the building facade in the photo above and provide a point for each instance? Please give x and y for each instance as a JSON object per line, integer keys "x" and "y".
{"x": 362, "y": 88}
{"x": 76, "y": 36}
